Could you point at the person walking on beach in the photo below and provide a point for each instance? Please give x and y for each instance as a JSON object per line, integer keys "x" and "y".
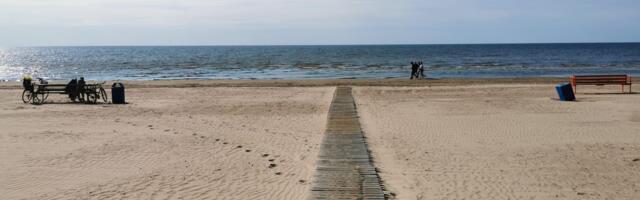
{"x": 421, "y": 71}
{"x": 414, "y": 70}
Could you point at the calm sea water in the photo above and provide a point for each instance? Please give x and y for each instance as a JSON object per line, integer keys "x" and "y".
{"x": 310, "y": 62}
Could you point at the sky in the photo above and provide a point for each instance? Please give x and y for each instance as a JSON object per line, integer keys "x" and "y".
{"x": 304, "y": 22}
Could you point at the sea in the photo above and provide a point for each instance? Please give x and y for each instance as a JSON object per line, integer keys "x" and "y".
{"x": 318, "y": 61}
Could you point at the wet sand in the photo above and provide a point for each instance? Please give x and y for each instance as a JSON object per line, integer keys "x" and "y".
{"x": 395, "y": 82}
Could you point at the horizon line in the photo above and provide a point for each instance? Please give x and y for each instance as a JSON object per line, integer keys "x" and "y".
{"x": 344, "y": 44}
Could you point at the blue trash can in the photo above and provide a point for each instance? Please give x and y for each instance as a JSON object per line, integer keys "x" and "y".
{"x": 117, "y": 93}
{"x": 565, "y": 92}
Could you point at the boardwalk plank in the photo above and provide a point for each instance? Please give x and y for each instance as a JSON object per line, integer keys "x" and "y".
{"x": 344, "y": 168}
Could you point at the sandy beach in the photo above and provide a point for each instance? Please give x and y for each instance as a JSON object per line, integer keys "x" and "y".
{"x": 435, "y": 139}
{"x": 503, "y": 142}
{"x": 169, "y": 143}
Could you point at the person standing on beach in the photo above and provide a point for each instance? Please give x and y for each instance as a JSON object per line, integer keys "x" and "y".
{"x": 421, "y": 71}
{"x": 414, "y": 70}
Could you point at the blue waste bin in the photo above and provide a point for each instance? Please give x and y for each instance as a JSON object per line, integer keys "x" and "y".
{"x": 117, "y": 93}
{"x": 565, "y": 92}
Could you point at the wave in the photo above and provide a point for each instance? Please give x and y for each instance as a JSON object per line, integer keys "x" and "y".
{"x": 145, "y": 63}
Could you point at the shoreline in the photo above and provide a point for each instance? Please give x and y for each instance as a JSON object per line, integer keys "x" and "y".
{"x": 393, "y": 82}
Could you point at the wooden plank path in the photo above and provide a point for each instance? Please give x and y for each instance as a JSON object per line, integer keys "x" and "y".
{"x": 344, "y": 169}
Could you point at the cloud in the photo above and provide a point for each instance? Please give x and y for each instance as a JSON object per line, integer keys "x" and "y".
{"x": 173, "y": 13}
{"x": 56, "y": 22}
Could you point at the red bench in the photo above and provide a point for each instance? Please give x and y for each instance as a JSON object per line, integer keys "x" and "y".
{"x": 601, "y": 80}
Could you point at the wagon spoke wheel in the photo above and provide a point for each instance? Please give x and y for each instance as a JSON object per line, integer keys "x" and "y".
{"x": 73, "y": 97}
{"x": 27, "y": 96}
{"x": 38, "y": 98}
{"x": 45, "y": 96}
{"x": 92, "y": 98}
{"x": 103, "y": 94}
{"x": 81, "y": 96}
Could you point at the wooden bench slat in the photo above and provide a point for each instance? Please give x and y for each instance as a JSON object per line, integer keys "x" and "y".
{"x": 606, "y": 78}
{"x": 596, "y": 78}
{"x": 584, "y": 79}
{"x": 589, "y": 79}
{"x": 603, "y": 80}
{"x": 603, "y": 76}
{"x": 610, "y": 81}
{"x": 600, "y": 75}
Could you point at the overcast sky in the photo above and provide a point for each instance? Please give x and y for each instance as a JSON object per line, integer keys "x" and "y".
{"x": 264, "y": 22}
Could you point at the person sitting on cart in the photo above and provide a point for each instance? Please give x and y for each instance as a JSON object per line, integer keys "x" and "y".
{"x": 81, "y": 85}
{"x": 72, "y": 89}
{"x": 26, "y": 83}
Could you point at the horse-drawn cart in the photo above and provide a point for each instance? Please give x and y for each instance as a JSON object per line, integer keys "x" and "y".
{"x": 78, "y": 91}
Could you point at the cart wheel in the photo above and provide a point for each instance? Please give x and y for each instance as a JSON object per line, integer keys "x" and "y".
{"x": 92, "y": 98}
{"x": 81, "y": 97}
{"x": 73, "y": 98}
{"x": 26, "y": 96}
{"x": 46, "y": 95}
{"x": 38, "y": 98}
{"x": 103, "y": 94}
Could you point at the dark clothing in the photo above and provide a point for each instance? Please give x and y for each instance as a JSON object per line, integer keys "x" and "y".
{"x": 81, "y": 85}
{"x": 26, "y": 83}
{"x": 81, "y": 92}
{"x": 414, "y": 70}
{"x": 72, "y": 89}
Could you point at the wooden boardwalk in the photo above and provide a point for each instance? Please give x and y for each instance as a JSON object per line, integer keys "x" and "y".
{"x": 344, "y": 169}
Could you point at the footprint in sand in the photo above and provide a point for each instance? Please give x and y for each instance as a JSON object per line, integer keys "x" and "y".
{"x": 239, "y": 146}
{"x": 225, "y": 143}
{"x": 265, "y": 155}
{"x": 271, "y": 160}
{"x": 272, "y": 165}
{"x": 217, "y": 140}
{"x": 248, "y": 150}
{"x": 278, "y": 173}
